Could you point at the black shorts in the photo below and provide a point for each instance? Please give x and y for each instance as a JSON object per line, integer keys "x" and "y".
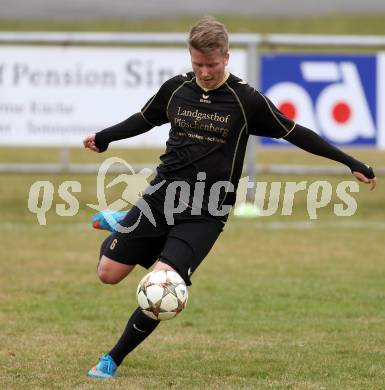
{"x": 182, "y": 245}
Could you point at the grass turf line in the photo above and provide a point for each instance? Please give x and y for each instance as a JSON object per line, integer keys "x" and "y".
{"x": 269, "y": 309}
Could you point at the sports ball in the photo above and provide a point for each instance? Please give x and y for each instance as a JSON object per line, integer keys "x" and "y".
{"x": 162, "y": 294}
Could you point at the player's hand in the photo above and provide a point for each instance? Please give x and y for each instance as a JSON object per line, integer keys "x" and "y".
{"x": 89, "y": 143}
{"x": 362, "y": 178}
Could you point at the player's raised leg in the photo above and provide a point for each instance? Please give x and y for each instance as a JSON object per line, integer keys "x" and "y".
{"x": 118, "y": 256}
{"x": 112, "y": 272}
{"x": 108, "y": 270}
{"x": 107, "y": 219}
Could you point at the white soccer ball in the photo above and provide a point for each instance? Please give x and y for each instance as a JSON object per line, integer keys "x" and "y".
{"x": 162, "y": 294}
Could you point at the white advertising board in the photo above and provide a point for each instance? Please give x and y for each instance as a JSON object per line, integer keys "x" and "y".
{"x": 53, "y": 96}
{"x": 381, "y": 100}
{"x": 341, "y": 96}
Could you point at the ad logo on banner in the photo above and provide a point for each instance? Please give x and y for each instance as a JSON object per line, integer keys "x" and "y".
{"x": 334, "y": 95}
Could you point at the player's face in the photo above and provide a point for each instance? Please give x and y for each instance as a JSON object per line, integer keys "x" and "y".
{"x": 210, "y": 69}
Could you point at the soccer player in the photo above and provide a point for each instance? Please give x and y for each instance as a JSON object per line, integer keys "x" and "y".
{"x": 211, "y": 113}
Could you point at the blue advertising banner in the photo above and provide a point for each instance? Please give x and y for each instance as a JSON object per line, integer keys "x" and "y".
{"x": 334, "y": 95}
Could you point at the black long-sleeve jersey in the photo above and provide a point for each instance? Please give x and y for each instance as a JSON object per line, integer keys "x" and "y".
{"x": 210, "y": 129}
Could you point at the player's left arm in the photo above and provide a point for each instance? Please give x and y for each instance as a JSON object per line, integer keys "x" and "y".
{"x": 266, "y": 120}
{"x": 308, "y": 140}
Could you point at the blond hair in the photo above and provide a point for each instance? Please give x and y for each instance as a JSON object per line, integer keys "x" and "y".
{"x": 209, "y": 35}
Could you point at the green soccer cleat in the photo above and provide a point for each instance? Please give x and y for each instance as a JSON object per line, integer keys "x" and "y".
{"x": 106, "y": 368}
{"x": 107, "y": 219}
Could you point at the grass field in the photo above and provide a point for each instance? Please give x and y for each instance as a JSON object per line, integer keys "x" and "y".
{"x": 330, "y": 24}
{"x": 280, "y": 302}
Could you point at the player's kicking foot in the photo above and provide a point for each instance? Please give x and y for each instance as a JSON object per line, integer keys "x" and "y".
{"x": 107, "y": 219}
{"x": 106, "y": 368}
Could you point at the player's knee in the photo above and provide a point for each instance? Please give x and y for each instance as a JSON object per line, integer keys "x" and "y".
{"x": 112, "y": 272}
{"x": 160, "y": 266}
{"x": 107, "y": 277}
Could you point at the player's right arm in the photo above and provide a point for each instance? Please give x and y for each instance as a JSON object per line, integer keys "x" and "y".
{"x": 89, "y": 142}
{"x": 154, "y": 113}
{"x": 134, "y": 125}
